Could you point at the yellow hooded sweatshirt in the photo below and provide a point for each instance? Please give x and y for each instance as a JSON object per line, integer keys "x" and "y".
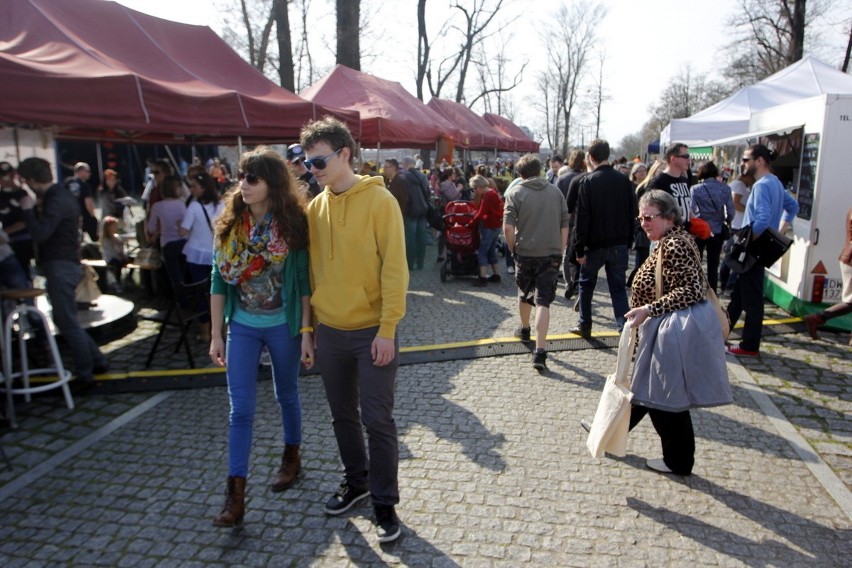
{"x": 359, "y": 271}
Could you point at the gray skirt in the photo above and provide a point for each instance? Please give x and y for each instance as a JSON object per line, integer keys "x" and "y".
{"x": 680, "y": 361}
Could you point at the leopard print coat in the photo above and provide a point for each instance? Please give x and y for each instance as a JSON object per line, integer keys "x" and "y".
{"x": 683, "y": 277}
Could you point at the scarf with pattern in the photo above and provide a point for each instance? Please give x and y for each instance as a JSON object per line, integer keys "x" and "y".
{"x": 251, "y": 249}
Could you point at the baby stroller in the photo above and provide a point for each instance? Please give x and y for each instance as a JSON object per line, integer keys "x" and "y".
{"x": 462, "y": 238}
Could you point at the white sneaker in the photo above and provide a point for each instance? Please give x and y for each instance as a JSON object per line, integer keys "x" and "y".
{"x": 658, "y": 465}
{"x": 511, "y": 270}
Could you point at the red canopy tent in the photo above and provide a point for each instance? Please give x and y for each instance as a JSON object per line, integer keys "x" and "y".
{"x": 391, "y": 117}
{"x": 477, "y": 132}
{"x": 97, "y": 70}
{"x": 523, "y": 143}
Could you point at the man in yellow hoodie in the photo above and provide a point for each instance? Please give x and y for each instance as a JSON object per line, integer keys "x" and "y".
{"x": 360, "y": 276}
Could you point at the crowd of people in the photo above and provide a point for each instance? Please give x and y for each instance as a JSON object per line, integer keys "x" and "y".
{"x": 309, "y": 262}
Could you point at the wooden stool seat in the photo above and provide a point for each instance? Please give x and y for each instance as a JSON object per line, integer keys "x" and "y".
{"x": 21, "y": 293}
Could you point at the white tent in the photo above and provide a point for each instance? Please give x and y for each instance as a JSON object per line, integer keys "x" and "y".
{"x": 808, "y": 77}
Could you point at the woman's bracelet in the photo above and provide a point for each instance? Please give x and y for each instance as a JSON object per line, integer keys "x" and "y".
{"x": 306, "y": 329}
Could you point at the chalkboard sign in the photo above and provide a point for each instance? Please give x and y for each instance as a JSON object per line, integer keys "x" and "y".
{"x": 808, "y": 176}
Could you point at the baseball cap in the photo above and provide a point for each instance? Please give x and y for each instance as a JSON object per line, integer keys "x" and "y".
{"x": 6, "y": 168}
{"x": 295, "y": 152}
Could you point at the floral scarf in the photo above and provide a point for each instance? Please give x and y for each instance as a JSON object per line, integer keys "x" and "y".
{"x": 251, "y": 249}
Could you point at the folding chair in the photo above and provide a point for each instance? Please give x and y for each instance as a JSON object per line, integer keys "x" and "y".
{"x": 195, "y": 299}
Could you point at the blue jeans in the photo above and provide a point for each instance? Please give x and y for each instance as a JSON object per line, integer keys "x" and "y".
{"x": 415, "y": 241}
{"x": 487, "y": 253}
{"x": 614, "y": 259}
{"x": 243, "y": 356}
{"x": 62, "y": 278}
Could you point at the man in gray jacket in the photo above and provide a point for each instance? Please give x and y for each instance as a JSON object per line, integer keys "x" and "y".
{"x": 535, "y": 224}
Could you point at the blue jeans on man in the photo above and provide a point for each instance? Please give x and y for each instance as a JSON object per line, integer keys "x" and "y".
{"x": 62, "y": 278}
{"x": 614, "y": 260}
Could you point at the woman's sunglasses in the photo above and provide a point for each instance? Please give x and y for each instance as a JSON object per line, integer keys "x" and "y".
{"x": 320, "y": 163}
{"x": 251, "y": 179}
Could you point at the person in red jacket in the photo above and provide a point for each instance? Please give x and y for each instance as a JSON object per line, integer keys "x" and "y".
{"x": 489, "y": 218}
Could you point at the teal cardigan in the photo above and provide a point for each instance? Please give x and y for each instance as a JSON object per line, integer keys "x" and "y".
{"x": 295, "y": 285}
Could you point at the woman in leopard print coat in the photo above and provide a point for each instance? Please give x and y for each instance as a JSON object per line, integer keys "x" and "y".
{"x": 680, "y": 360}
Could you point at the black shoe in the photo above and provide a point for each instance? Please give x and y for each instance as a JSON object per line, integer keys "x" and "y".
{"x": 569, "y": 293}
{"x": 101, "y": 368}
{"x": 387, "y": 523}
{"x": 480, "y": 282}
{"x": 494, "y": 278}
{"x": 540, "y": 360}
{"x": 344, "y": 498}
{"x": 583, "y": 331}
{"x": 585, "y": 425}
{"x": 523, "y": 333}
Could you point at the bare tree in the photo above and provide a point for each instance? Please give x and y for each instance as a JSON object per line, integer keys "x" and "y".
{"x": 568, "y": 43}
{"x": 845, "y": 66}
{"x": 252, "y": 37}
{"x": 771, "y": 36}
{"x": 546, "y": 105}
{"x": 492, "y": 73}
{"x": 349, "y": 33}
{"x": 598, "y": 93}
{"x": 304, "y": 71}
{"x": 477, "y": 16}
{"x": 686, "y": 94}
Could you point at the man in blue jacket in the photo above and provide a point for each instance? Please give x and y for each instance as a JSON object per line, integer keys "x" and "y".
{"x": 768, "y": 205}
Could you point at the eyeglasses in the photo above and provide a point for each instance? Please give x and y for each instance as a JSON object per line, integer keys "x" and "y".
{"x": 684, "y": 156}
{"x": 647, "y": 218}
{"x": 251, "y": 179}
{"x": 320, "y": 163}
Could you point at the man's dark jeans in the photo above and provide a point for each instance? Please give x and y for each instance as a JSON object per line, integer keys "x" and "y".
{"x": 62, "y": 279}
{"x": 614, "y": 259}
{"x": 747, "y": 296}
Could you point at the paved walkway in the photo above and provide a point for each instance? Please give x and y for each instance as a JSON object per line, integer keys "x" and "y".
{"x": 494, "y": 470}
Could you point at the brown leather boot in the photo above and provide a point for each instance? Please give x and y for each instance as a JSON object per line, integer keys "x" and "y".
{"x": 291, "y": 465}
{"x": 235, "y": 504}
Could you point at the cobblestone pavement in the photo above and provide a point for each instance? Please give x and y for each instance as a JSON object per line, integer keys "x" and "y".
{"x": 493, "y": 471}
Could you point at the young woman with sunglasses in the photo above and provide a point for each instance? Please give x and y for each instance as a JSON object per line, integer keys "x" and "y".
{"x": 260, "y": 288}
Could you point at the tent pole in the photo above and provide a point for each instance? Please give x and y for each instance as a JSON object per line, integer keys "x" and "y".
{"x": 17, "y": 144}
{"x": 378, "y": 155}
{"x": 100, "y": 160}
{"x": 240, "y": 145}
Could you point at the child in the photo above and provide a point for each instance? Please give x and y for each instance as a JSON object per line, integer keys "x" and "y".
{"x": 113, "y": 252}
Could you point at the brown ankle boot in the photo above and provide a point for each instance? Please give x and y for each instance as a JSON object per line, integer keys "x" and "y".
{"x": 235, "y": 504}
{"x": 291, "y": 465}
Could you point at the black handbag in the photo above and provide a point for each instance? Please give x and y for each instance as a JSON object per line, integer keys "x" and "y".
{"x": 770, "y": 246}
{"x": 765, "y": 250}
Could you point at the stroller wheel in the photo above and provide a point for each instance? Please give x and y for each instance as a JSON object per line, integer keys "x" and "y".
{"x": 443, "y": 272}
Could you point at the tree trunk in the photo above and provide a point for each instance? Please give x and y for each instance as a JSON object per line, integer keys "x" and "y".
{"x": 422, "y": 47}
{"x": 797, "y": 29}
{"x": 285, "y": 48}
{"x": 845, "y": 67}
{"x": 348, "y": 33}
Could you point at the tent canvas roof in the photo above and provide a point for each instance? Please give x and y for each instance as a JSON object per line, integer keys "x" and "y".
{"x": 808, "y": 77}
{"x": 92, "y": 68}
{"x": 523, "y": 143}
{"x": 477, "y": 132}
{"x": 390, "y": 116}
